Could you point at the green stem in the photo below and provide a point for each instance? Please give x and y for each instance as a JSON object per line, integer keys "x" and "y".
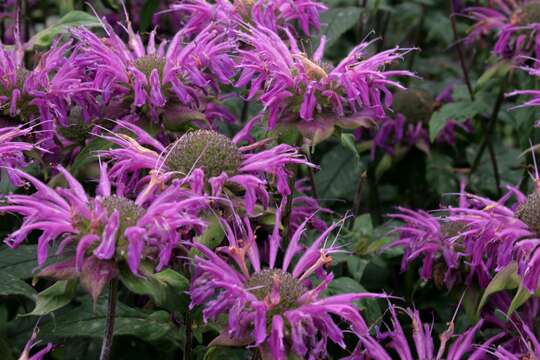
{"x": 106, "y": 346}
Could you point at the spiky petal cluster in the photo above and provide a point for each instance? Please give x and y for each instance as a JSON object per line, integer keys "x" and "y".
{"x": 300, "y": 90}
{"x": 43, "y": 93}
{"x": 104, "y": 229}
{"x": 25, "y": 355}
{"x": 398, "y": 345}
{"x": 534, "y": 100}
{"x": 516, "y": 24}
{"x": 408, "y": 128}
{"x": 11, "y": 150}
{"x": 274, "y": 307}
{"x": 200, "y": 158}
{"x": 170, "y": 73}
{"x": 488, "y": 236}
{"x": 274, "y": 15}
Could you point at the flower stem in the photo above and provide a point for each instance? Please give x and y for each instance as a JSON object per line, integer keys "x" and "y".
{"x": 106, "y": 346}
{"x": 374, "y": 200}
{"x": 459, "y": 50}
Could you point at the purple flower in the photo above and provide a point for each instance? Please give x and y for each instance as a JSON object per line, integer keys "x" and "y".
{"x": 25, "y": 355}
{"x": 205, "y": 160}
{"x": 11, "y": 150}
{"x": 104, "y": 229}
{"x": 42, "y": 94}
{"x": 275, "y": 308}
{"x": 311, "y": 95}
{"x": 386, "y": 345}
{"x": 409, "y": 127}
{"x": 534, "y": 94}
{"x": 515, "y": 22}
{"x": 169, "y": 78}
{"x": 274, "y": 15}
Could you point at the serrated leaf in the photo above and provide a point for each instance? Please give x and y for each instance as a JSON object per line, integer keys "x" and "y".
{"x": 54, "y": 297}
{"x": 71, "y": 19}
{"x": 11, "y": 285}
{"x": 458, "y": 111}
{"x": 506, "y": 279}
{"x": 335, "y": 22}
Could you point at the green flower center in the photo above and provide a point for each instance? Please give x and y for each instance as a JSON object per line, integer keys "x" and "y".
{"x": 415, "y": 104}
{"x": 528, "y": 14}
{"x": 129, "y": 212}
{"x": 148, "y": 63}
{"x": 450, "y": 229}
{"x": 290, "y": 289}
{"x": 529, "y": 212}
{"x": 206, "y": 149}
{"x": 77, "y": 130}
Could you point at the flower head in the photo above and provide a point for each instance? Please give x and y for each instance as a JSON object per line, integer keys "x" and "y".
{"x": 11, "y": 150}
{"x": 516, "y": 24}
{"x": 169, "y": 78}
{"x": 274, "y": 15}
{"x": 394, "y": 342}
{"x": 273, "y": 307}
{"x": 408, "y": 128}
{"x": 310, "y": 94}
{"x": 105, "y": 229}
{"x": 43, "y": 93}
{"x": 205, "y": 160}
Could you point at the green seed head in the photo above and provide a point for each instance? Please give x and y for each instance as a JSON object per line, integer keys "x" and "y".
{"x": 529, "y": 212}
{"x": 290, "y": 289}
{"x": 206, "y": 149}
{"x": 528, "y": 14}
{"x": 148, "y": 63}
{"x": 415, "y": 104}
{"x": 450, "y": 229}
{"x": 129, "y": 212}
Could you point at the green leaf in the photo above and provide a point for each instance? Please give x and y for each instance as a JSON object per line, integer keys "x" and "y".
{"x": 344, "y": 285}
{"x": 150, "y": 7}
{"x": 500, "y": 68}
{"x": 88, "y": 154}
{"x": 12, "y": 285}
{"x": 85, "y": 321}
{"x": 440, "y": 173}
{"x": 21, "y": 261}
{"x": 165, "y": 288}
{"x": 458, "y": 111}
{"x": 337, "y": 21}
{"x": 213, "y": 234}
{"x": 71, "y": 19}
{"x": 522, "y": 295}
{"x": 347, "y": 140}
{"x": 54, "y": 297}
{"x": 506, "y": 279}
{"x": 219, "y": 352}
{"x": 339, "y": 174}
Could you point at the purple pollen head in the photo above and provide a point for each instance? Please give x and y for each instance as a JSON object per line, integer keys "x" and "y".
{"x": 416, "y": 105}
{"x": 529, "y": 212}
{"x": 205, "y": 149}
{"x": 528, "y": 14}
{"x": 147, "y": 63}
{"x": 290, "y": 289}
